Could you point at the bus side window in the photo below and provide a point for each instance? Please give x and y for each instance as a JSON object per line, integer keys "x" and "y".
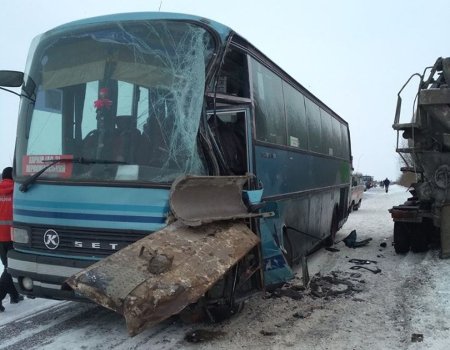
{"x": 314, "y": 125}
{"x": 233, "y": 79}
{"x": 337, "y": 138}
{"x": 295, "y": 117}
{"x": 327, "y": 144}
{"x": 269, "y": 105}
{"x": 345, "y": 142}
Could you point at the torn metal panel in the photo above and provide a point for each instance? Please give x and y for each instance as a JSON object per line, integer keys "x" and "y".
{"x": 210, "y": 198}
{"x": 159, "y": 275}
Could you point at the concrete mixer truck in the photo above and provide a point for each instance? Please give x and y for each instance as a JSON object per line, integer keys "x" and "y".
{"x": 424, "y": 218}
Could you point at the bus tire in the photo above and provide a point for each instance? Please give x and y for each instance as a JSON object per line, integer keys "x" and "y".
{"x": 221, "y": 313}
{"x": 329, "y": 241}
{"x": 288, "y": 251}
{"x": 401, "y": 238}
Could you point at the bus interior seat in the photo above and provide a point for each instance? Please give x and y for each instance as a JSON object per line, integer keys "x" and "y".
{"x": 126, "y": 146}
{"x": 153, "y": 145}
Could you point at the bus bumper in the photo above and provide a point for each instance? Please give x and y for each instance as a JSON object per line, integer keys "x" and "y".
{"x": 46, "y": 273}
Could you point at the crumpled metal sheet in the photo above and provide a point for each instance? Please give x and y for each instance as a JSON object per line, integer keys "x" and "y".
{"x": 220, "y": 198}
{"x": 159, "y": 275}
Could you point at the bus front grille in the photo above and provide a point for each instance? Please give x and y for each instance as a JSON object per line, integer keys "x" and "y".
{"x": 81, "y": 242}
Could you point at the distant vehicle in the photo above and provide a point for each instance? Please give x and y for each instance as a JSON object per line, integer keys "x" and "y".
{"x": 357, "y": 192}
{"x": 368, "y": 182}
{"x": 425, "y": 217}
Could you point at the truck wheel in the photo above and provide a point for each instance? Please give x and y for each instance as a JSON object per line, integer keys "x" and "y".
{"x": 401, "y": 238}
{"x": 356, "y": 206}
{"x": 419, "y": 239}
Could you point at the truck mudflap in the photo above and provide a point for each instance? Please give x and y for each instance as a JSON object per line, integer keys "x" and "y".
{"x": 159, "y": 275}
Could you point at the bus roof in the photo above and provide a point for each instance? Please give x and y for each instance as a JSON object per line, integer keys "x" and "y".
{"x": 221, "y": 29}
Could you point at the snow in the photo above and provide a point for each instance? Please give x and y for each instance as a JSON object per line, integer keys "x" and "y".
{"x": 380, "y": 311}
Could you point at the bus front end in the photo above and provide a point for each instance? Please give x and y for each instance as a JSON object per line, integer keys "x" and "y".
{"x": 109, "y": 117}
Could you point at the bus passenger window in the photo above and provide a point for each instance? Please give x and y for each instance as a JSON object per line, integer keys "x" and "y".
{"x": 295, "y": 117}
{"x": 336, "y": 125}
{"x": 233, "y": 79}
{"x": 314, "y": 125}
{"x": 327, "y": 144}
{"x": 269, "y": 105}
{"x": 345, "y": 141}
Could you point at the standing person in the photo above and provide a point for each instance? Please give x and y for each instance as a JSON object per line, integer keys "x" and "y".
{"x": 386, "y": 184}
{"x": 6, "y": 192}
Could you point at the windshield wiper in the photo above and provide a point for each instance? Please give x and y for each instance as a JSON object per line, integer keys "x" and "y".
{"x": 24, "y": 187}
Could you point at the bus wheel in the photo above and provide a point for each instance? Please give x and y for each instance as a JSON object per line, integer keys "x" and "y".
{"x": 199, "y": 312}
{"x": 401, "y": 237}
{"x": 220, "y": 313}
{"x": 329, "y": 241}
{"x": 288, "y": 251}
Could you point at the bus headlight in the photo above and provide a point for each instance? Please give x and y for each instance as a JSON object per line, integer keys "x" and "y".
{"x": 20, "y": 235}
{"x": 27, "y": 283}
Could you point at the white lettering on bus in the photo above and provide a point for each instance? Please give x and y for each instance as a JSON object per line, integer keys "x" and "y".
{"x": 95, "y": 245}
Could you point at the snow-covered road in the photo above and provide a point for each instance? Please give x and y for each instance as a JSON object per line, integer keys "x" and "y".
{"x": 345, "y": 309}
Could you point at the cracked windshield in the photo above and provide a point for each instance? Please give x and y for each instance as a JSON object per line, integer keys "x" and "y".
{"x": 119, "y": 102}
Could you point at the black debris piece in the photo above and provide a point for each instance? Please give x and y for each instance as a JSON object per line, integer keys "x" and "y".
{"x": 288, "y": 291}
{"x": 358, "y": 267}
{"x": 416, "y": 337}
{"x": 267, "y": 333}
{"x": 350, "y": 241}
{"x": 331, "y": 249}
{"x": 202, "y": 335}
{"x": 362, "y": 261}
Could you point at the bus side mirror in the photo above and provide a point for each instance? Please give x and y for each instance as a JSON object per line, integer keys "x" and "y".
{"x": 11, "y": 78}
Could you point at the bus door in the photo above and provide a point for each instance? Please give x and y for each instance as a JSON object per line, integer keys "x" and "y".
{"x": 230, "y": 129}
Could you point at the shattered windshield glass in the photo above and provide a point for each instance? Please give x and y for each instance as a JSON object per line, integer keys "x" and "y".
{"x": 128, "y": 95}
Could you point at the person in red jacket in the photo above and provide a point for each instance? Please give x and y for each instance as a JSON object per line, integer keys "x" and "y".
{"x": 6, "y": 192}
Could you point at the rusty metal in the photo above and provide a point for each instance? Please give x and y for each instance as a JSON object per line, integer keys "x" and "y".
{"x": 159, "y": 275}
{"x": 210, "y": 198}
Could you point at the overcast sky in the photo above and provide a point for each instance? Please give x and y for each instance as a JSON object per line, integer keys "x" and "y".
{"x": 352, "y": 54}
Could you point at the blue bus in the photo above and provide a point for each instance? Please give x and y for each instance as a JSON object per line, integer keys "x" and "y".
{"x": 113, "y": 109}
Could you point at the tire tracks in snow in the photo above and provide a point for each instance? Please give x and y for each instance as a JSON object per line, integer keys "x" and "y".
{"x": 38, "y": 328}
{"x": 96, "y": 328}
{"x": 416, "y": 283}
